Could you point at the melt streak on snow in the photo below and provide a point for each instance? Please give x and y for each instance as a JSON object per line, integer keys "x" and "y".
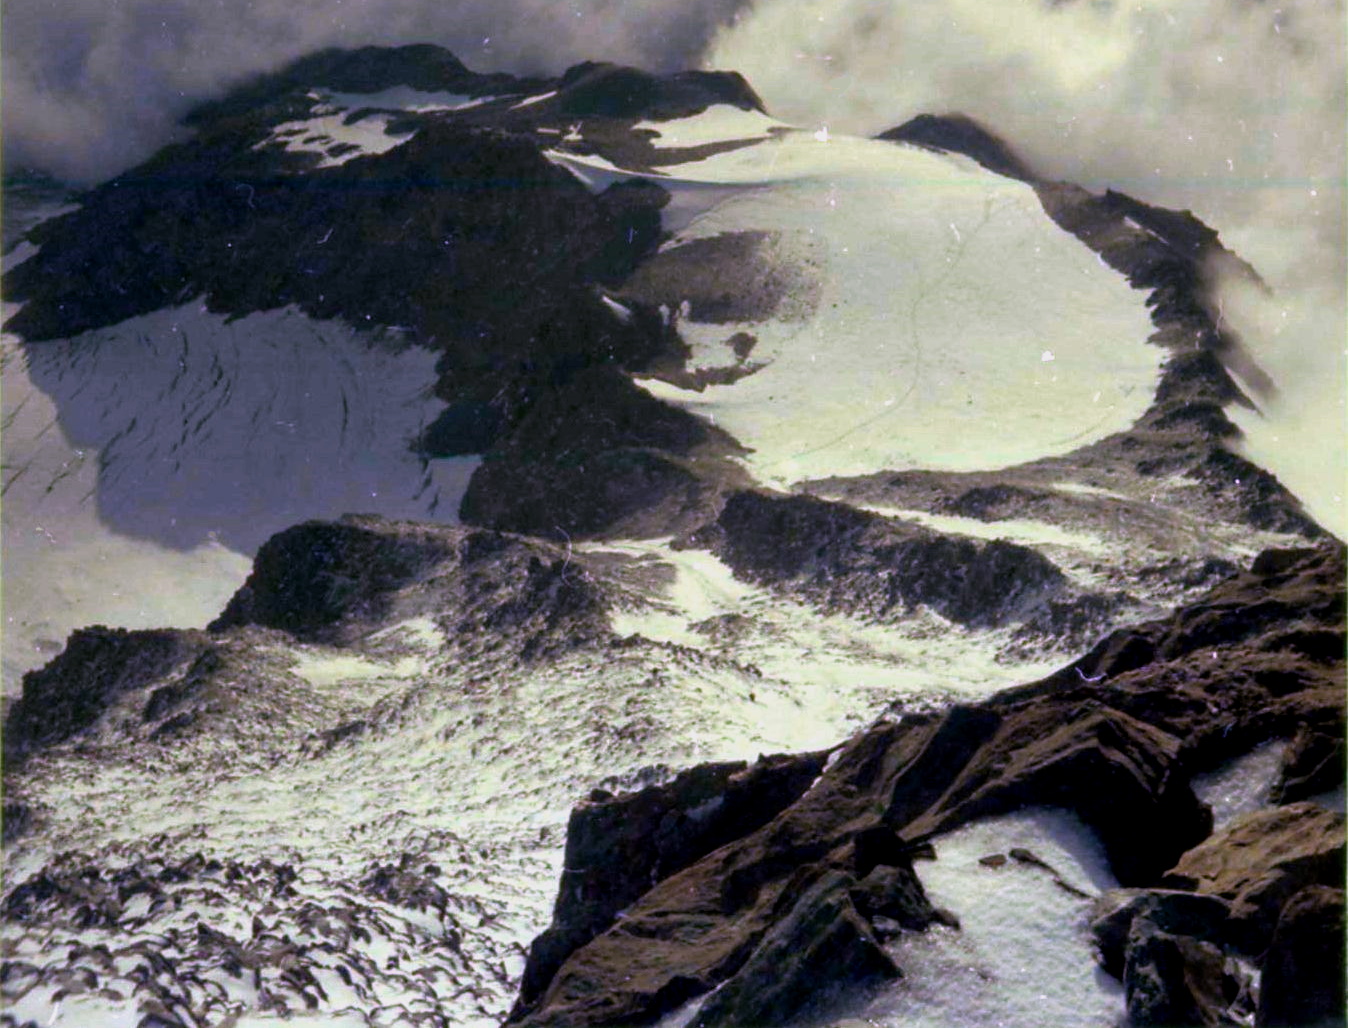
{"x": 942, "y": 286}
{"x": 168, "y": 448}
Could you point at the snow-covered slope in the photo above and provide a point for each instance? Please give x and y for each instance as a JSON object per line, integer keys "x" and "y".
{"x": 145, "y": 463}
{"x": 933, "y": 336}
{"x": 714, "y": 437}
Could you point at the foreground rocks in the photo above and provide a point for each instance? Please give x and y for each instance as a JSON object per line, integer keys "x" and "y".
{"x": 1115, "y": 737}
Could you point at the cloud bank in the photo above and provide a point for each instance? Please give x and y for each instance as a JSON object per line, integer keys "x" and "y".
{"x": 91, "y": 87}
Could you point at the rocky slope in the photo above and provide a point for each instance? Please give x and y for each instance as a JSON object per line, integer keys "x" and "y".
{"x": 349, "y": 798}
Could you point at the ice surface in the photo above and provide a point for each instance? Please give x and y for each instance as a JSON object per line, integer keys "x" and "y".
{"x": 717, "y": 124}
{"x": 1023, "y": 957}
{"x": 942, "y": 286}
{"x": 144, "y": 463}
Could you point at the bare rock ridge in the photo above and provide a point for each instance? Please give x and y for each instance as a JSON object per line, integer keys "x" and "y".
{"x": 1116, "y": 737}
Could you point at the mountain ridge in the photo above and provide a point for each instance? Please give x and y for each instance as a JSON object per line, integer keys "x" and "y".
{"x": 638, "y": 600}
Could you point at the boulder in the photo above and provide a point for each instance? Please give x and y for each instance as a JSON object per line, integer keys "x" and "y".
{"x": 1303, "y": 970}
{"x": 1260, "y": 860}
{"x": 1172, "y": 980}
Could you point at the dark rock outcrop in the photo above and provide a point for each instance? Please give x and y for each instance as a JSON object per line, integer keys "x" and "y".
{"x": 1262, "y": 859}
{"x": 618, "y": 846}
{"x": 1174, "y": 980}
{"x": 1173, "y": 911}
{"x": 819, "y": 948}
{"x": 1115, "y": 736}
{"x": 98, "y": 666}
{"x": 840, "y": 558}
{"x": 335, "y": 581}
{"x": 1313, "y": 763}
{"x": 599, "y": 455}
{"x": 958, "y": 133}
{"x": 1303, "y": 970}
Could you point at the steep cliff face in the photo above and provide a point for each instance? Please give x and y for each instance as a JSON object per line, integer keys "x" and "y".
{"x": 744, "y": 441}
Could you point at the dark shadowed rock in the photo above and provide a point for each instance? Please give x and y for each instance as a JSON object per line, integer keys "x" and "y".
{"x": 97, "y": 666}
{"x": 1260, "y": 860}
{"x": 618, "y": 846}
{"x": 1169, "y": 910}
{"x": 820, "y": 948}
{"x": 957, "y": 133}
{"x": 596, "y": 89}
{"x": 844, "y": 559}
{"x": 1313, "y": 763}
{"x": 336, "y": 581}
{"x": 1303, "y": 970}
{"x": 1172, "y": 980}
{"x": 599, "y": 455}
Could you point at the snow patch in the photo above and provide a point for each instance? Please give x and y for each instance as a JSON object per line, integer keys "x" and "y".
{"x": 1023, "y": 957}
{"x": 719, "y": 123}
{"x": 531, "y": 100}
{"x": 1241, "y": 785}
{"x": 1017, "y": 530}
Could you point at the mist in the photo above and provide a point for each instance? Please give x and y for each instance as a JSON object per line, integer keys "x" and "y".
{"x": 91, "y": 88}
{"x": 1231, "y": 108}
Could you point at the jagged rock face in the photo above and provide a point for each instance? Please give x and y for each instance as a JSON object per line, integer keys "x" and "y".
{"x": 1114, "y": 737}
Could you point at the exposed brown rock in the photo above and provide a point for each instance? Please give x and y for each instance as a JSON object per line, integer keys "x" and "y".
{"x": 1115, "y": 736}
{"x": 1261, "y": 860}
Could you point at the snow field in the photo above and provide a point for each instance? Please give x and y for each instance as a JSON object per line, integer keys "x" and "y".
{"x": 958, "y": 328}
{"x": 143, "y": 464}
{"x": 719, "y": 123}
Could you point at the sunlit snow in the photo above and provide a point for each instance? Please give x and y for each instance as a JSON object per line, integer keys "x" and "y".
{"x": 1023, "y": 957}
{"x": 717, "y": 124}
